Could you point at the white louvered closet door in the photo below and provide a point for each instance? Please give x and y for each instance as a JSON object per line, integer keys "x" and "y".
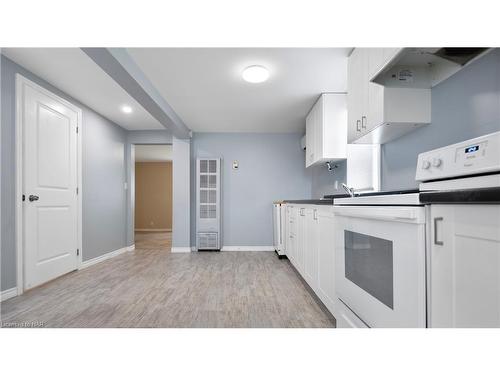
{"x": 208, "y": 204}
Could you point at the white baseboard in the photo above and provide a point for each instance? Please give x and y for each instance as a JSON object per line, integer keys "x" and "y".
{"x": 109, "y": 255}
{"x": 8, "y": 293}
{"x": 186, "y": 249}
{"x": 247, "y": 248}
{"x": 153, "y": 230}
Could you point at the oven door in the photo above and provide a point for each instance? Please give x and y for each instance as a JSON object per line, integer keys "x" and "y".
{"x": 380, "y": 263}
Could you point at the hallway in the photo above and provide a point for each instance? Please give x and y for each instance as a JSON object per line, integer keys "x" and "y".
{"x": 153, "y": 240}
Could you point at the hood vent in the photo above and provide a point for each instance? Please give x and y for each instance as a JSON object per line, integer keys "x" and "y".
{"x": 459, "y": 55}
{"x": 425, "y": 67}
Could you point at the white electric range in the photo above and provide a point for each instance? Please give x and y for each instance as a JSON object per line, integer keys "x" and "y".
{"x": 388, "y": 272}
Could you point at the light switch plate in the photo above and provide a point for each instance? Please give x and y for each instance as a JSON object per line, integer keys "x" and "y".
{"x": 236, "y": 165}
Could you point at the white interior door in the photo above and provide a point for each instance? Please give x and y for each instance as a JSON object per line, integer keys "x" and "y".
{"x": 50, "y": 178}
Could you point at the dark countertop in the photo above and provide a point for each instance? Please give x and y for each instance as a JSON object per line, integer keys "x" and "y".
{"x": 326, "y": 200}
{"x": 311, "y": 201}
{"x": 338, "y": 195}
{"x": 466, "y": 196}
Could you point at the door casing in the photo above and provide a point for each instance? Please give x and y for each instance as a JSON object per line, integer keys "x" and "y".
{"x": 22, "y": 81}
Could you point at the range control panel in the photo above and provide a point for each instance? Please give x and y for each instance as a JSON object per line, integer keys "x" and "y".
{"x": 475, "y": 156}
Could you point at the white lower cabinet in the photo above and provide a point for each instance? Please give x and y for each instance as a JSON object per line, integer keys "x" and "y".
{"x": 326, "y": 258}
{"x": 291, "y": 232}
{"x": 301, "y": 241}
{"x": 464, "y": 262}
{"x": 310, "y": 248}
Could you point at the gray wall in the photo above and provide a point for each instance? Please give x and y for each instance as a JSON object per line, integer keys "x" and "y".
{"x": 271, "y": 168}
{"x": 104, "y": 201}
{"x": 104, "y": 194}
{"x": 466, "y": 105}
{"x": 323, "y": 180}
{"x": 181, "y": 226}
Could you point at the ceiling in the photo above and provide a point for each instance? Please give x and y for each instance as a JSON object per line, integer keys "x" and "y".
{"x": 153, "y": 153}
{"x": 73, "y": 72}
{"x": 205, "y": 88}
{"x": 202, "y": 85}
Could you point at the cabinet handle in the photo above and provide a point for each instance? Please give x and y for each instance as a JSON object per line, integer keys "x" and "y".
{"x": 315, "y": 214}
{"x": 436, "y": 242}
{"x": 358, "y": 123}
{"x": 363, "y": 122}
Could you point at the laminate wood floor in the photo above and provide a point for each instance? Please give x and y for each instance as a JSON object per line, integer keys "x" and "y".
{"x": 151, "y": 287}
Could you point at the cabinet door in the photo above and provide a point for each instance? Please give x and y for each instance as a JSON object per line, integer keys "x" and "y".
{"x": 300, "y": 240}
{"x": 375, "y": 60}
{"x": 353, "y": 96}
{"x": 310, "y": 138}
{"x": 375, "y": 106}
{"x": 464, "y": 266}
{"x": 375, "y": 111}
{"x": 364, "y": 89}
{"x": 326, "y": 259}
{"x": 291, "y": 246}
{"x": 311, "y": 248}
{"x": 318, "y": 129}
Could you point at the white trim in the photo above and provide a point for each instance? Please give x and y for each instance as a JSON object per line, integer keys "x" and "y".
{"x": 106, "y": 256}
{"x": 247, "y": 248}
{"x": 20, "y": 82}
{"x": 9, "y": 293}
{"x": 186, "y": 249}
{"x": 153, "y": 230}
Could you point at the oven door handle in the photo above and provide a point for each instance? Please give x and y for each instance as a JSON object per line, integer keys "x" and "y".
{"x": 375, "y": 212}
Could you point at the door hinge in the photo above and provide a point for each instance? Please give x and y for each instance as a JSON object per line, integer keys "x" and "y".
{"x": 24, "y": 197}
{"x": 76, "y": 191}
{"x": 77, "y": 130}
{"x": 77, "y": 252}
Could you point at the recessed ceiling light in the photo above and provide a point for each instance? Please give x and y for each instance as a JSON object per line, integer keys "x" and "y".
{"x": 255, "y": 74}
{"x": 126, "y": 109}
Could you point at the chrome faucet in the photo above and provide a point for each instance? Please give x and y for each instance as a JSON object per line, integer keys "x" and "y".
{"x": 349, "y": 190}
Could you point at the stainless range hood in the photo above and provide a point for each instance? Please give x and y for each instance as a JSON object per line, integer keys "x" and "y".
{"x": 426, "y": 67}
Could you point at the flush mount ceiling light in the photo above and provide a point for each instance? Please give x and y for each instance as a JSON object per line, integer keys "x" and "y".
{"x": 126, "y": 109}
{"x": 255, "y": 74}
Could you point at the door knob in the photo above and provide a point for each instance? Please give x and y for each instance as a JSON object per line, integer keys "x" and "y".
{"x": 33, "y": 198}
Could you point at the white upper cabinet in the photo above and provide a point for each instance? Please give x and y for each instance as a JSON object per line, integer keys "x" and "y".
{"x": 379, "y": 58}
{"x": 379, "y": 114}
{"x": 326, "y": 130}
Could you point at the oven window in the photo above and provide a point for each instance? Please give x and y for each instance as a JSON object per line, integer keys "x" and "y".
{"x": 368, "y": 264}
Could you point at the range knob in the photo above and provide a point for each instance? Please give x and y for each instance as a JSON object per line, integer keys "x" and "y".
{"x": 436, "y": 162}
{"x": 426, "y": 164}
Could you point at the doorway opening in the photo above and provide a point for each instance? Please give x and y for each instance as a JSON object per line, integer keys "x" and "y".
{"x": 153, "y": 197}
